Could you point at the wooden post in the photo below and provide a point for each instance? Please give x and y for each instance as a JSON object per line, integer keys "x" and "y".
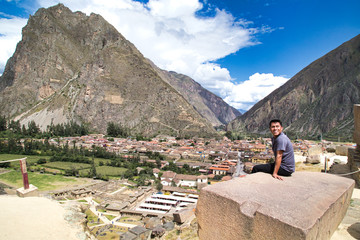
{"x": 24, "y": 173}
{"x": 326, "y": 161}
{"x": 23, "y": 170}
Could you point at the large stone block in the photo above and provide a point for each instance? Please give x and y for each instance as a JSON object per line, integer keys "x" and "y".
{"x": 183, "y": 215}
{"x": 357, "y": 124}
{"x": 307, "y": 205}
{"x": 342, "y": 150}
{"x": 314, "y": 159}
{"x": 315, "y": 150}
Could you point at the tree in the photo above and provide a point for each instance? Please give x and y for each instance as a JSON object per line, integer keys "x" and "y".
{"x": 172, "y": 167}
{"x": 218, "y": 177}
{"x": 116, "y": 130}
{"x": 159, "y": 186}
{"x": 33, "y": 129}
{"x": 129, "y": 174}
{"x": 15, "y": 127}
{"x": 23, "y": 130}
{"x": 41, "y": 161}
{"x": 2, "y": 123}
{"x": 141, "y": 180}
{"x": 28, "y": 147}
{"x": 186, "y": 167}
{"x": 92, "y": 172}
{"x": 228, "y": 134}
{"x": 4, "y": 165}
{"x": 72, "y": 172}
{"x": 3, "y": 146}
{"x": 158, "y": 163}
{"x": 13, "y": 146}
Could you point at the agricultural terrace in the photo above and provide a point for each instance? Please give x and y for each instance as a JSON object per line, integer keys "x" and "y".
{"x": 106, "y": 171}
{"x": 67, "y": 165}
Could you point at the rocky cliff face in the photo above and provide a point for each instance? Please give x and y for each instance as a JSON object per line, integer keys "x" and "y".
{"x": 72, "y": 66}
{"x": 210, "y": 106}
{"x": 316, "y": 101}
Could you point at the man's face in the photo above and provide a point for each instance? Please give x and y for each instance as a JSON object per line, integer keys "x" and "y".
{"x": 276, "y": 129}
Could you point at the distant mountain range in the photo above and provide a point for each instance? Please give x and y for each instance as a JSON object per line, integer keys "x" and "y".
{"x": 318, "y": 101}
{"x": 69, "y": 66}
{"x": 205, "y": 102}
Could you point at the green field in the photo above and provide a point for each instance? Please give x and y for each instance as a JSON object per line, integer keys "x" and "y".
{"x": 92, "y": 218}
{"x": 35, "y": 158}
{"x": 67, "y": 165}
{"x": 98, "y": 160}
{"x": 29, "y": 158}
{"x": 110, "y": 171}
{"x": 43, "y": 182}
{"x": 106, "y": 170}
{"x": 110, "y": 217}
{"x": 83, "y": 167}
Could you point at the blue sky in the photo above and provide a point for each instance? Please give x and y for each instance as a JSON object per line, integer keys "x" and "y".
{"x": 240, "y": 50}
{"x": 304, "y": 31}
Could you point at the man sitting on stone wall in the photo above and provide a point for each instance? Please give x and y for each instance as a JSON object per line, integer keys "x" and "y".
{"x": 284, "y": 154}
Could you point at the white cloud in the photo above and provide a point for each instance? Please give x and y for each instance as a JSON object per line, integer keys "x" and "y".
{"x": 247, "y": 93}
{"x": 10, "y": 35}
{"x": 171, "y": 34}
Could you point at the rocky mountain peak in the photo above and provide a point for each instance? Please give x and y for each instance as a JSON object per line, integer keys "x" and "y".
{"x": 70, "y": 66}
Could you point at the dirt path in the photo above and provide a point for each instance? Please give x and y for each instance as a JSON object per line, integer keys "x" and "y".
{"x": 349, "y": 228}
{"x": 35, "y": 218}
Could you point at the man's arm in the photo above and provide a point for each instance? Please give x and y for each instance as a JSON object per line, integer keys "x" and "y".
{"x": 278, "y": 159}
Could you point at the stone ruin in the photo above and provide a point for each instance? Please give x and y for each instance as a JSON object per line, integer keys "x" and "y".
{"x": 354, "y": 154}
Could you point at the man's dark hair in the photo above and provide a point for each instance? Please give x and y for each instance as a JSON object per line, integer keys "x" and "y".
{"x": 275, "y": 121}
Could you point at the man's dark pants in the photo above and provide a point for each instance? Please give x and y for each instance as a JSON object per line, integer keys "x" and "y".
{"x": 269, "y": 168}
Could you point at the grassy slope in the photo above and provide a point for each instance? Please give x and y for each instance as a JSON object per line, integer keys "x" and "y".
{"x": 29, "y": 158}
{"x": 107, "y": 170}
{"x": 66, "y": 165}
{"x": 44, "y": 182}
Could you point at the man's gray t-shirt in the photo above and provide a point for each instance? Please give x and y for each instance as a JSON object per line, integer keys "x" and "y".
{"x": 283, "y": 143}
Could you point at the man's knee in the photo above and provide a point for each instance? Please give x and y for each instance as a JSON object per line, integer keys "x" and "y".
{"x": 266, "y": 168}
{"x": 256, "y": 169}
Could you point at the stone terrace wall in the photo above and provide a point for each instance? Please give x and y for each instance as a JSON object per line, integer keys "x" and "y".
{"x": 307, "y": 205}
{"x": 354, "y": 154}
{"x": 357, "y": 124}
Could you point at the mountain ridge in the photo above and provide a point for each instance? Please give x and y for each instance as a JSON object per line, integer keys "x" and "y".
{"x": 316, "y": 101}
{"x": 205, "y": 102}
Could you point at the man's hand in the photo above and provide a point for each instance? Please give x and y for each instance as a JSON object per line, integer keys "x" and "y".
{"x": 278, "y": 159}
{"x": 277, "y": 176}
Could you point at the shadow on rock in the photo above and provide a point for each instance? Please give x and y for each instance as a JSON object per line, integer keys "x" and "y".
{"x": 354, "y": 230}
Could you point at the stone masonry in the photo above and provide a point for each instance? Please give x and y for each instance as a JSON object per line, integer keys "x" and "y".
{"x": 307, "y": 205}
{"x": 354, "y": 154}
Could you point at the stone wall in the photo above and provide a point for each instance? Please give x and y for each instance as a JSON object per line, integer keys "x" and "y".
{"x": 357, "y": 124}
{"x": 354, "y": 154}
{"x": 307, "y": 205}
